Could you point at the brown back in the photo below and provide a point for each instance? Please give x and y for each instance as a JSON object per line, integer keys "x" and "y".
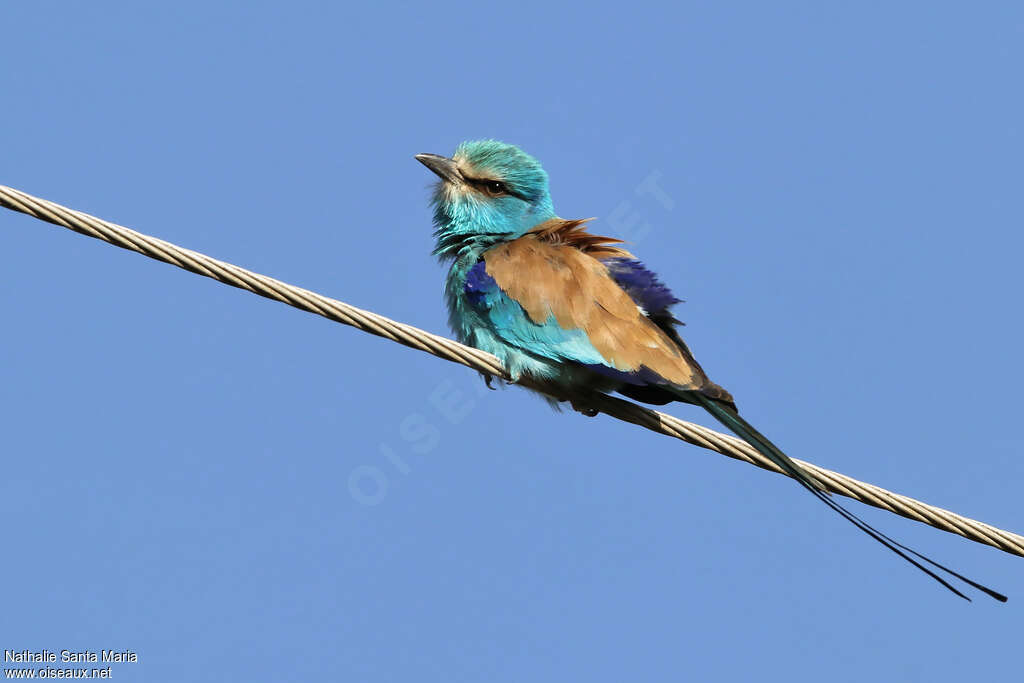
{"x": 553, "y": 271}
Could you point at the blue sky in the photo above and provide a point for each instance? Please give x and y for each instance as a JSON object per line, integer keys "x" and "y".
{"x": 841, "y": 213}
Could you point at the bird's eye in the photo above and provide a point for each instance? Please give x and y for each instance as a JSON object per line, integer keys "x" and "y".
{"x": 494, "y": 188}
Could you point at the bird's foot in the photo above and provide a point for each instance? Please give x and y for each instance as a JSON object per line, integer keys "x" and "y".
{"x": 585, "y": 410}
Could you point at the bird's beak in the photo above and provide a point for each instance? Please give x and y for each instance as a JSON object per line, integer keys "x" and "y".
{"x": 442, "y": 166}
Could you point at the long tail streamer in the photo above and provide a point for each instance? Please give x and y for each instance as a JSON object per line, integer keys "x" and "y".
{"x": 743, "y": 429}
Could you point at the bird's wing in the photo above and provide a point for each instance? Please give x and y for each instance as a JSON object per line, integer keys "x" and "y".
{"x": 656, "y": 300}
{"x": 557, "y": 302}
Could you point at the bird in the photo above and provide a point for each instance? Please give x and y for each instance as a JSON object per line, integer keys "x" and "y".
{"x": 569, "y": 313}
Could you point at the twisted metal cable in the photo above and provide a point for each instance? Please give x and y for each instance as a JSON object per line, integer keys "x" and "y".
{"x": 486, "y": 363}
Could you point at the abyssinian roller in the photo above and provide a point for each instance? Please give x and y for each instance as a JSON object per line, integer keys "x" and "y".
{"x": 575, "y": 312}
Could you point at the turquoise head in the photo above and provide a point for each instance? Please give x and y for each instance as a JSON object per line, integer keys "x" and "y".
{"x": 488, "y": 192}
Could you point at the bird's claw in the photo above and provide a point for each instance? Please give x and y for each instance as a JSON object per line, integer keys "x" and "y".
{"x": 585, "y": 410}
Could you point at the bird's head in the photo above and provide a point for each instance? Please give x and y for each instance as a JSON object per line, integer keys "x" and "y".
{"x": 489, "y": 191}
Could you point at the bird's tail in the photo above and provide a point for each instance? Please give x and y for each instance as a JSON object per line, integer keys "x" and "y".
{"x": 743, "y": 429}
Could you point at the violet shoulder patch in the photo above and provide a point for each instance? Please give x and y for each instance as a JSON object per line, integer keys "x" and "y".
{"x": 479, "y": 284}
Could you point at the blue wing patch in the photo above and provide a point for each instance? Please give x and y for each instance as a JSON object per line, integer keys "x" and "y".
{"x": 491, "y": 320}
{"x": 642, "y": 285}
{"x": 507, "y": 320}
